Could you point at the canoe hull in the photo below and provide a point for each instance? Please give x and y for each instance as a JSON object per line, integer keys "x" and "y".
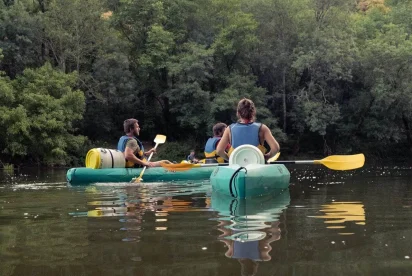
{"x": 84, "y": 176}
{"x": 253, "y": 180}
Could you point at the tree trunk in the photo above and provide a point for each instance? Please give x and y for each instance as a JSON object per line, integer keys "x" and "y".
{"x": 284, "y": 98}
{"x": 166, "y": 115}
{"x": 42, "y": 5}
{"x": 407, "y": 131}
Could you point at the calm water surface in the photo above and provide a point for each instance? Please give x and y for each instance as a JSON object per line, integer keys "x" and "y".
{"x": 327, "y": 223}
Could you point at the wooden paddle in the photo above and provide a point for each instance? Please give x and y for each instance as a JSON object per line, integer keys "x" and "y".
{"x": 334, "y": 162}
{"x": 159, "y": 139}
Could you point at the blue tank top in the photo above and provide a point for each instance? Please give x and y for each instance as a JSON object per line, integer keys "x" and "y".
{"x": 244, "y": 134}
{"x": 121, "y": 145}
{"x": 211, "y": 144}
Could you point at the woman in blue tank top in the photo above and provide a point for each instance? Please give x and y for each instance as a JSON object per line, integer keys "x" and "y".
{"x": 247, "y": 132}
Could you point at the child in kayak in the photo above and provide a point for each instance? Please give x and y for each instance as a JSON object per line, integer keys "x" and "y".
{"x": 191, "y": 157}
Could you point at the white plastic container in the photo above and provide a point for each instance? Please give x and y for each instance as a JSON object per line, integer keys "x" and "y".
{"x": 101, "y": 158}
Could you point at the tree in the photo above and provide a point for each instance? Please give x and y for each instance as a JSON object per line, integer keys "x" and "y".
{"x": 39, "y": 109}
{"x": 20, "y": 38}
{"x": 73, "y": 32}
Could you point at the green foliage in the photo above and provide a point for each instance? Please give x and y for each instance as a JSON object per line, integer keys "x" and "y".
{"x": 20, "y": 38}
{"x": 190, "y": 71}
{"x": 38, "y": 118}
{"x": 325, "y": 76}
{"x": 159, "y": 43}
{"x": 73, "y": 31}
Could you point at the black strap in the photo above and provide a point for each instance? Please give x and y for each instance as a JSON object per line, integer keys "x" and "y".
{"x": 231, "y": 182}
{"x": 112, "y": 158}
{"x": 233, "y": 207}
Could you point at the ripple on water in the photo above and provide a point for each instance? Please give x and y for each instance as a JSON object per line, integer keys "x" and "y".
{"x": 36, "y": 186}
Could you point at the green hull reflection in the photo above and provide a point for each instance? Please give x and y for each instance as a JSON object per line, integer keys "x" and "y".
{"x": 249, "y": 227}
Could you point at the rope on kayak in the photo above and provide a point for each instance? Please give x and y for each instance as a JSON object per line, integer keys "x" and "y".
{"x": 232, "y": 181}
{"x": 233, "y": 207}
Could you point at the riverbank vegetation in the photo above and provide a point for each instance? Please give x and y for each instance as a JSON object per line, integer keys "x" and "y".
{"x": 327, "y": 76}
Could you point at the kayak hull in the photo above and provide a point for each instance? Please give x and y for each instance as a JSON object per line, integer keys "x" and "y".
{"x": 250, "y": 181}
{"x": 84, "y": 176}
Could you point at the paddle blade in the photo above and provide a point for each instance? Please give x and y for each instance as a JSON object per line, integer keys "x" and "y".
{"x": 274, "y": 158}
{"x": 138, "y": 179}
{"x": 343, "y": 162}
{"x": 179, "y": 167}
{"x": 160, "y": 139}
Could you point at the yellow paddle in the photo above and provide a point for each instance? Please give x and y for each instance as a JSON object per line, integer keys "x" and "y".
{"x": 274, "y": 158}
{"x": 334, "y": 162}
{"x": 159, "y": 139}
{"x": 179, "y": 167}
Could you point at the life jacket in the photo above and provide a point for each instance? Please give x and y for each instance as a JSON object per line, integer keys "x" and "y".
{"x": 121, "y": 146}
{"x": 210, "y": 151}
{"x": 245, "y": 134}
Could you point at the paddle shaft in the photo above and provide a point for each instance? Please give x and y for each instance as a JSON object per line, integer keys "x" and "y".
{"x": 274, "y": 162}
{"x": 295, "y": 162}
{"x": 148, "y": 160}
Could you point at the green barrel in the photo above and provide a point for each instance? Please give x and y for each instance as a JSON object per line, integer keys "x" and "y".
{"x": 83, "y": 176}
{"x": 250, "y": 181}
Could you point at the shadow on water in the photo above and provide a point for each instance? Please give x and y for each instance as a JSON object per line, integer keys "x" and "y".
{"x": 249, "y": 226}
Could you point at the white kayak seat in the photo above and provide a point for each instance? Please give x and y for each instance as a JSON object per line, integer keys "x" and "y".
{"x": 246, "y": 155}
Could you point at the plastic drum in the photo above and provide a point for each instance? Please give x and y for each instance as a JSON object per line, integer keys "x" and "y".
{"x": 245, "y": 155}
{"x": 100, "y": 158}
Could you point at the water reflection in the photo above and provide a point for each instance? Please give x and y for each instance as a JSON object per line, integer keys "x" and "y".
{"x": 131, "y": 203}
{"x": 336, "y": 214}
{"x": 249, "y": 226}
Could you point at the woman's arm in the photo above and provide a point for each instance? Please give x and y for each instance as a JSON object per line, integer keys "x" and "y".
{"x": 273, "y": 144}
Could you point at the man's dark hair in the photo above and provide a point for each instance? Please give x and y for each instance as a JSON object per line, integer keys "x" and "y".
{"x": 219, "y": 128}
{"x": 128, "y": 125}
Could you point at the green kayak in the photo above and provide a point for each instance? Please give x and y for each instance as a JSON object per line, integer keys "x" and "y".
{"x": 251, "y": 180}
{"x": 82, "y": 176}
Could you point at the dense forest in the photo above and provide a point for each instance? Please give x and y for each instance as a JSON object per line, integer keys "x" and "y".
{"x": 327, "y": 76}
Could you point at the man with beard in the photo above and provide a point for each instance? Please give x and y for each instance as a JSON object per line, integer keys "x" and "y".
{"x": 133, "y": 149}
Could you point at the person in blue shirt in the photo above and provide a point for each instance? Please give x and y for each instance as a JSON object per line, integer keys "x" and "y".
{"x": 132, "y": 147}
{"x": 247, "y": 132}
{"x": 211, "y": 144}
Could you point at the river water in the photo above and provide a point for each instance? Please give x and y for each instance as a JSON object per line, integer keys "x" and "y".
{"x": 327, "y": 223}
